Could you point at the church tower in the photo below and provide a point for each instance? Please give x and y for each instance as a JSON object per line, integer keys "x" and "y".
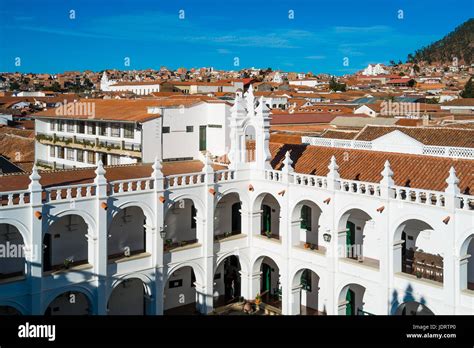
{"x": 249, "y": 133}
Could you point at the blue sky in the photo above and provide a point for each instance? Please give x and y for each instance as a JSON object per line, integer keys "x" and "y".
{"x": 213, "y": 33}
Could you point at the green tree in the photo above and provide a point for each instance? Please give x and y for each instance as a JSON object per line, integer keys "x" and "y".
{"x": 336, "y": 86}
{"x": 468, "y": 91}
{"x": 14, "y": 86}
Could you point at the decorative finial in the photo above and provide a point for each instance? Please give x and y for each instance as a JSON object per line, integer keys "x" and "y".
{"x": 287, "y": 162}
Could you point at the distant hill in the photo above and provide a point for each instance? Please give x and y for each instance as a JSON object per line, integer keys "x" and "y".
{"x": 459, "y": 43}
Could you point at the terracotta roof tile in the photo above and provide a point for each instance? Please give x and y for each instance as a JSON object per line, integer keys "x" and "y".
{"x": 417, "y": 171}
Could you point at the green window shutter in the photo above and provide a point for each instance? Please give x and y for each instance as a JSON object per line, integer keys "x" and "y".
{"x": 306, "y": 218}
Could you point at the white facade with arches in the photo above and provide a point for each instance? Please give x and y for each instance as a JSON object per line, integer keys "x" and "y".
{"x": 349, "y": 252}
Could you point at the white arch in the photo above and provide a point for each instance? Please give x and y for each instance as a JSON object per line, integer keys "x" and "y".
{"x": 197, "y": 268}
{"x": 22, "y": 229}
{"x": 88, "y": 219}
{"x": 257, "y": 262}
{"x": 145, "y": 279}
{"x": 147, "y": 211}
{"x": 240, "y": 193}
{"x": 198, "y": 203}
{"x": 243, "y": 261}
{"x": 52, "y": 295}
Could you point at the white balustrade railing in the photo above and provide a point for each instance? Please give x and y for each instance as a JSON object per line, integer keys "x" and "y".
{"x": 60, "y": 193}
{"x": 428, "y": 150}
{"x": 419, "y": 196}
{"x": 182, "y": 180}
{"x": 360, "y": 187}
{"x": 13, "y": 198}
{"x": 466, "y": 202}
{"x": 128, "y": 186}
{"x": 224, "y": 175}
{"x": 273, "y": 175}
{"x": 310, "y": 180}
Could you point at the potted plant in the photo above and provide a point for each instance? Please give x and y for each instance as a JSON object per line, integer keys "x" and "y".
{"x": 227, "y": 234}
{"x": 67, "y": 263}
{"x": 258, "y": 301}
{"x": 168, "y": 243}
{"x": 307, "y": 245}
{"x": 268, "y": 234}
{"x": 418, "y": 274}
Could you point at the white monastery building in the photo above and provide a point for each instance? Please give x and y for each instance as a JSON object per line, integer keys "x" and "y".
{"x": 312, "y": 229}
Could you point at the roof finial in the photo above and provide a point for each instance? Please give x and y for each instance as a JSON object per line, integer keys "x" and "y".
{"x": 287, "y": 162}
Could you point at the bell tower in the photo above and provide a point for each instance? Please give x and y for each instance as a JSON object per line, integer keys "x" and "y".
{"x": 249, "y": 133}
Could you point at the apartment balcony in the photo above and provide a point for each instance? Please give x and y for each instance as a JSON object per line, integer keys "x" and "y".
{"x": 120, "y": 148}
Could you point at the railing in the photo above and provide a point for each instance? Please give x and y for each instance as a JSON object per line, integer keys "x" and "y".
{"x": 466, "y": 202}
{"x": 341, "y": 143}
{"x": 419, "y": 196}
{"x": 310, "y": 180}
{"x": 273, "y": 175}
{"x": 60, "y": 193}
{"x": 428, "y": 150}
{"x": 360, "y": 187}
{"x": 224, "y": 175}
{"x": 12, "y": 198}
{"x": 444, "y": 151}
{"x": 182, "y": 180}
{"x": 127, "y": 186}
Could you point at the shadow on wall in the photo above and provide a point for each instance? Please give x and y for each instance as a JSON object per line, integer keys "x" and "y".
{"x": 407, "y": 297}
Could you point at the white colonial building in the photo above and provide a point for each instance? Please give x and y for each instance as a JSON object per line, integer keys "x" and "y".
{"x": 82, "y": 133}
{"x": 311, "y": 229}
{"x": 374, "y": 69}
{"x": 137, "y": 87}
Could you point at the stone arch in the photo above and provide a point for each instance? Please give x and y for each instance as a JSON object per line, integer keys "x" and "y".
{"x": 22, "y": 229}
{"x": 466, "y": 266}
{"x": 269, "y": 207}
{"x": 128, "y": 297}
{"x": 305, "y": 224}
{"x": 415, "y": 255}
{"x": 269, "y": 286}
{"x": 351, "y": 299}
{"x": 305, "y": 295}
{"x": 183, "y": 221}
{"x": 127, "y": 231}
{"x": 64, "y": 249}
{"x": 64, "y": 304}
{"x": 14, "y": 258}
{"x": 15, "y": 306}
{"x": 355, "y": 235}
{"x": 228, "y": 214}
{"x": 413, "y": 308}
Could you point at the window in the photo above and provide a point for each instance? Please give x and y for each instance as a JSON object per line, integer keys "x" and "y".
{"x": 189, "y": 129}
{"x": 70, "y": 154}
{"x": 166, "y": 130}
{"x": 115, "y": 130}
{"x": 70, "y": 126}
{"x": 214, "y": 126}
{"x": 128, "y": 131}
{"x": 175, "y": 283}
{"x": 91, "y": 128}
{"x": 60, "y": 126}
{"x": 51, "y": 151}
{"x": 306, "y": 218}
{"x": 91, "y": 157}
{"x": 193, "y": 216}
{"x": 60, "y": 151}
{"x": 103, "y": 129}
{"x": 80, "y": 155}
{"x": 114, "y": 159}
{"x": 51, "y": 125}
{"x": 81, "y": 125}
